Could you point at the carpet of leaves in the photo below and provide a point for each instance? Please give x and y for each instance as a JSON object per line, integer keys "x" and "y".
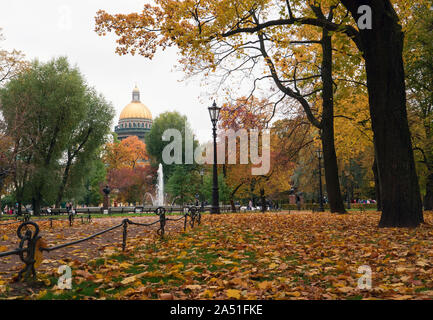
{"x": 260, "y": 256}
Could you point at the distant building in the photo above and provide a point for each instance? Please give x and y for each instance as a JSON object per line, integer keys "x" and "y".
{"x": 135, "y": 119}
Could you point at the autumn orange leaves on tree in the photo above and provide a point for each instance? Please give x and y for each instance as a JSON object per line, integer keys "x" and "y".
{"x": 296, "y": 64}
{"x": 238, "y": 36}
{"x": 288, "y": 137}
{"x": 128, "y": 153}
{"x": 12, "y": 62}
{"x": 128, "y": 171}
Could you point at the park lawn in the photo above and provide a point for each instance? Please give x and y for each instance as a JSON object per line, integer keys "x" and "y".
{"x": 261, "y": 256}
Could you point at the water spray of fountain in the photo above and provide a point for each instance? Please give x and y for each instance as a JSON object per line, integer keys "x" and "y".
{"x": 160, "y": 187}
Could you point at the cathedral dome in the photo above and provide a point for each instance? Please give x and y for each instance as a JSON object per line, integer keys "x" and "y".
{"x": 135, "y": 110}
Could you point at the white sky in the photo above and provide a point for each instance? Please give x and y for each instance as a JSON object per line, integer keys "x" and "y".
{"x": 52, "y": 28}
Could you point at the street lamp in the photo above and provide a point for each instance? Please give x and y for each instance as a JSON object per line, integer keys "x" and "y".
{"x": 320, "y": 156}
{"x": 201, "y": 192}
{"x": 214, "y": 113}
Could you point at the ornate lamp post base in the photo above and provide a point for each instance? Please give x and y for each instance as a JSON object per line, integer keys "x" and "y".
{"x": 106, "y": 203}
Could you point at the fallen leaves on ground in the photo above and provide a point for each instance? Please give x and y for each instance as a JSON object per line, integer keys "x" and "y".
{"x": 263, "y": 256}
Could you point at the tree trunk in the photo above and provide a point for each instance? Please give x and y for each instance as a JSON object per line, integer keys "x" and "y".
{"x": 232, "y": 195}
{"x": 63, "y": 183}
{"x": 377, "y": 185}
{"x": 232, "y": 203}
{"x": 263, "y": 199}
{"x": 36, "y": 203}
{"x": 327, "y": 133}
{"x": 428, "y": 199}
{"x": 382, "y": 50}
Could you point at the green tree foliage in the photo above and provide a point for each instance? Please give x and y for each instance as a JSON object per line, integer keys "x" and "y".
{"x": 183, "y": 184}
{"x": 224, "y": 189}
{"x": 84, "y": 142}
{"x": 92, "y": 195}
{"x": 62, "y": 123}
{"x": 155, "y": 145}
{"x": 419, "y": 77}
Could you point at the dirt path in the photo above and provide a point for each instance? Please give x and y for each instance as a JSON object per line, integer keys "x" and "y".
{"x": 87, "y": 250}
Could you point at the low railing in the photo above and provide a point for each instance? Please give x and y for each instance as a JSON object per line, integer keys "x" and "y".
{"x": 31, "y": 246}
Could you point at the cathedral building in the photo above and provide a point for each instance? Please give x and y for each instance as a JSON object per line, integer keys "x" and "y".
{"x": 135, "y": 119}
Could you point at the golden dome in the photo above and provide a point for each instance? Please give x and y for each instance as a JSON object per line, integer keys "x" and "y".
{"x": 135, "y": 110}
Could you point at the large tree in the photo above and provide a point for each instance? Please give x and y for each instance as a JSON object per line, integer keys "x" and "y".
{"x": 382, "y": 49}
{"x": 201, "y": 28}
{"x": 84, "y": 141}
{"x": 50, "y": 102}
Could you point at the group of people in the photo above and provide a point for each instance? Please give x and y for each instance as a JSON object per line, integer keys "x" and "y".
{"x": 8, "y": 210}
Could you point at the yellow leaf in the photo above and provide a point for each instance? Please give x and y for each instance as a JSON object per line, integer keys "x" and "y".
{"x": 207, "y": 294}
{"x": 124, "y": 265}
{"x": 5, "y": 238}
{"x": 40, "y": 243}
{"x": 273, "y": 266}
{"x": 182, "y": 255}
{"x": 128, "y": 280}
{"x": 265, "y": 285}
{"x": 41, "y": 294}
{"x": 231, "y": 293}
{"x": 294, "y": 294}
{"x": 3, "y": 248}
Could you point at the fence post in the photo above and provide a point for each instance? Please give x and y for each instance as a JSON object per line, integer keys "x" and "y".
{"x": 30, "y": 238}
{"x": 70, "y": 220}
{"x": 125, "y": 233}
{"x": 51, "y": 222}
{"x": 184, "y": 223}
{"x": 162, "y": 224}
{"x": 193, "y": 212}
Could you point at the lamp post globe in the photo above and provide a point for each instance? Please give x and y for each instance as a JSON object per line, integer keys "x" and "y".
{"x": 214, "y": 112}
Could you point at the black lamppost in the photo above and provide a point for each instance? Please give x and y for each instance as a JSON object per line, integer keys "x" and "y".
{"x": 201, "y": 192}
{"x": 214, "y": 113}
{"x": 320, "y": 156}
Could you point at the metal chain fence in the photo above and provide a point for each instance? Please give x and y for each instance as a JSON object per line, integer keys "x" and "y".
{"x": 30, "y": 246}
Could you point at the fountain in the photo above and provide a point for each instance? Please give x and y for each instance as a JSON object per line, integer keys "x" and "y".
{"x": 151, "y": 198}
{"x": 158, "y": 200}
{"x": 160, "y": 187}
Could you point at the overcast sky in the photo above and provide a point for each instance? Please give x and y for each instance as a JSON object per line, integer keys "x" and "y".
{"x": 52, "y": 28}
